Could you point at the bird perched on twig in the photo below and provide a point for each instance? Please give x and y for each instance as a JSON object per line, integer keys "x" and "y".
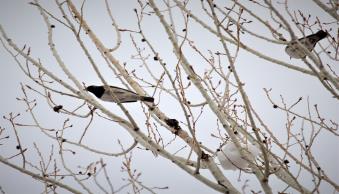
{"x": 118, "y": 94}
{"x": 309, "y": 42}
{"x": 230, "y": 158}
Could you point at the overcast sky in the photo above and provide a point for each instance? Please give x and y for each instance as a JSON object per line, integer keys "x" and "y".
{"x": 24, "y": 25}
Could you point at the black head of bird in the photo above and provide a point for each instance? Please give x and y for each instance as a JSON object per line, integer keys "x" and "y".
{"x": 98, "y": 91}
{"x": 294, "y": 50}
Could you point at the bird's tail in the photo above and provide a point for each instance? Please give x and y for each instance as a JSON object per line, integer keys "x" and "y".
{"x": 147, "y": 99}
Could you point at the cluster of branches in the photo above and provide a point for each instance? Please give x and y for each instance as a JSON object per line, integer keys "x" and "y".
{"x": 219, "y": 84}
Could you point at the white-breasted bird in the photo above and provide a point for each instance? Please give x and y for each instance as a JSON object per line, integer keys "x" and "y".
{"x": 121, "y": 95}
{"x": 230, "y": 158}
{"x": 309, "y": 42}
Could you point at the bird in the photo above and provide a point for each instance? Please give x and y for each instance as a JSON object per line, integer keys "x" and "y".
{"x": 309, "y": 42}
{"x": 230, "y": 158}
{"x": 118, "y": 95}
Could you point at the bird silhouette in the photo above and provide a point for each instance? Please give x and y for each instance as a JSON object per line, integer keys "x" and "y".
{"x": 309, "y": 42}
{"x": 118, "y": 94}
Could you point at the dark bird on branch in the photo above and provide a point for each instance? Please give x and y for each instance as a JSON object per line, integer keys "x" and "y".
{"x": 309, "y": 42}
{"x": 117, "y": 94}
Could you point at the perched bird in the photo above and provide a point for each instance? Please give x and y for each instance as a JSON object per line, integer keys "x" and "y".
{"x": 120, "y": 95}
{"x": 230, "y": 158}
{"x": 309, "y": 42}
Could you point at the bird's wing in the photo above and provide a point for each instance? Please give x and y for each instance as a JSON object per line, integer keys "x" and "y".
{"x": 121, "y": 90}
{"x": 121, "y": 94}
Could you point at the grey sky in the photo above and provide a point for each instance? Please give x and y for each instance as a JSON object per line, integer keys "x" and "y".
{"x": 24, "y": 25}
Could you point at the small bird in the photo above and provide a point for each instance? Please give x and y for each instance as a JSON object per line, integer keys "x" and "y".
{"x": 230, "y": 158}
{"x": 309, "y": 42}
{"x": 121, "y": 95}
